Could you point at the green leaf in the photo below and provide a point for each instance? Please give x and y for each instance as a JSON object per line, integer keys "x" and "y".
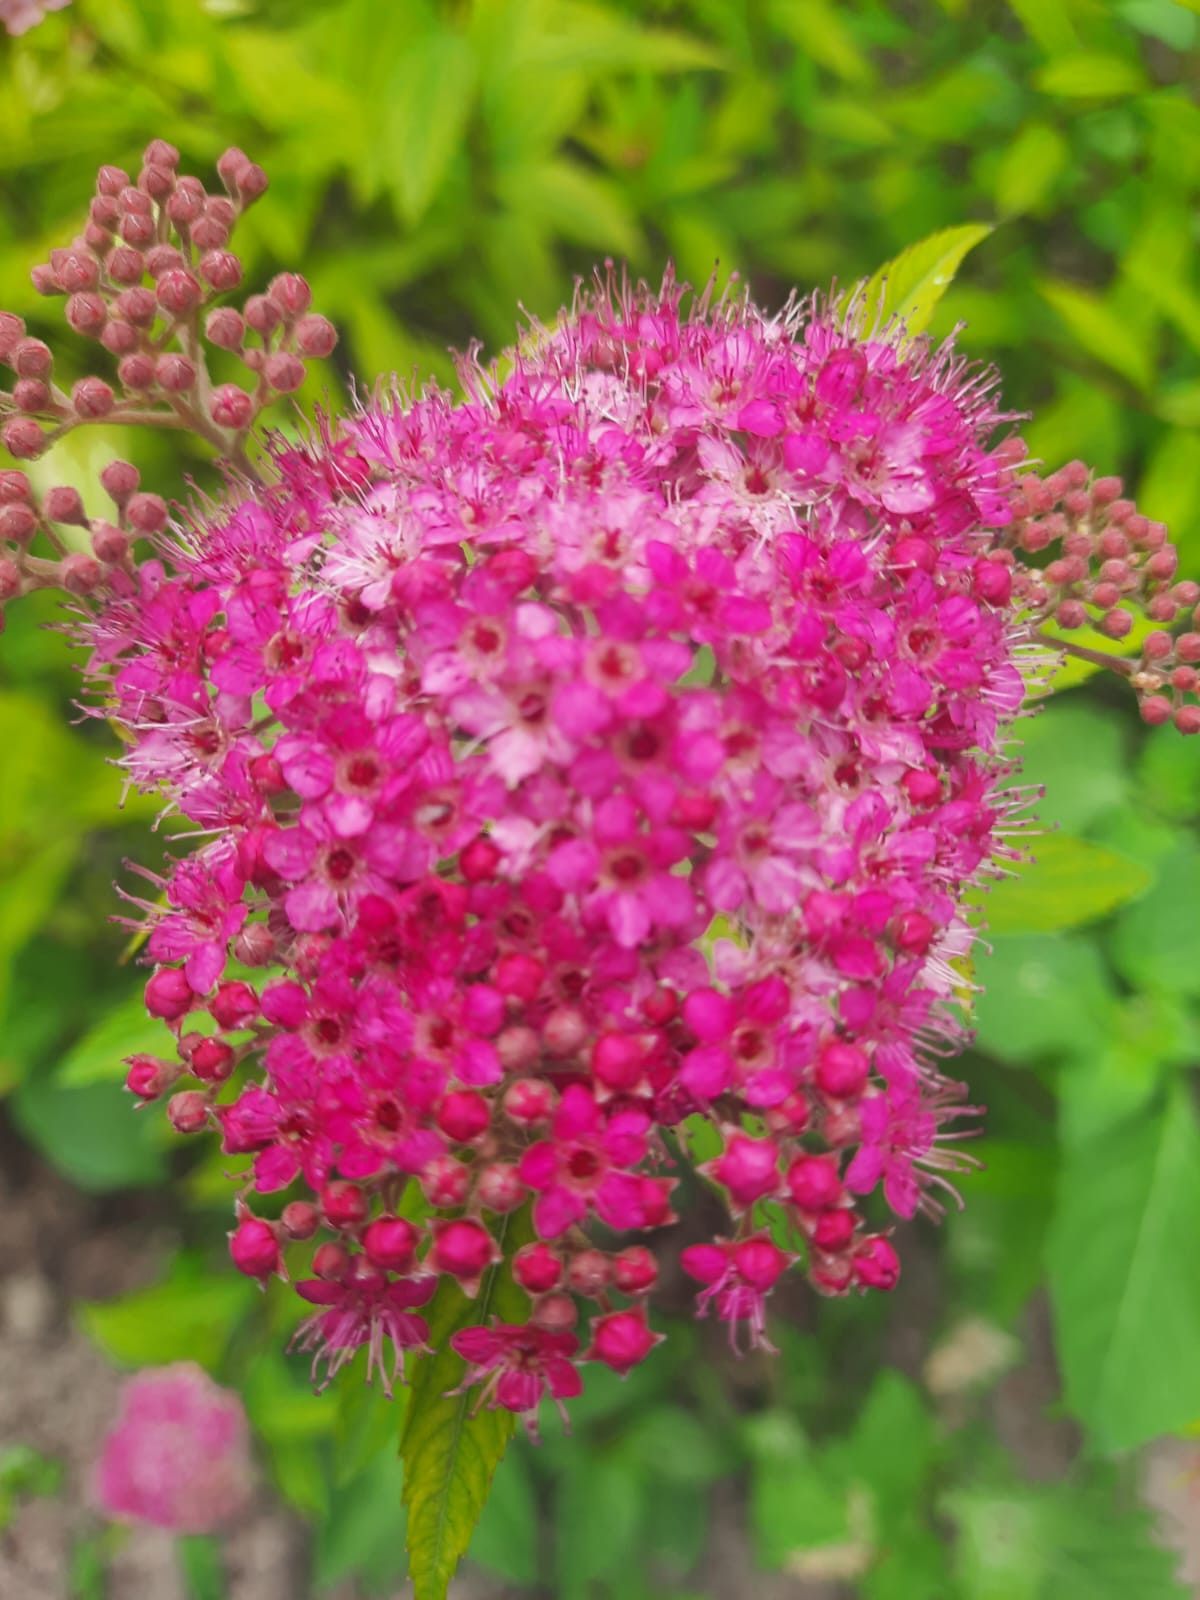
{"x": 202, "y": 1568}
{"x": 597, "y": 1516}
{"x": 450, "y": 1455}
{"x": 1042, "y": 995}
{"x": 1126, "y": 1304}
{"x": 1071, "y": 882}
{"x": 1101, "y": 331}
{"x": 911, "y": 285}
{"x": 1091, "y": 76}
{"x": 1077, "y": 754}
{"x": 1029, "y": 169}
{"x": 190, "y": 1316}
{"x": 362, "y": 1536}
{"x": 1156, "y": 943}
{"x": 564, "y": 197}
{"x": 429, "y": 103}
{"x": 127, "y": 1029}
{"x": 95, "y": 1136}
{"x": 506, "y": 1540}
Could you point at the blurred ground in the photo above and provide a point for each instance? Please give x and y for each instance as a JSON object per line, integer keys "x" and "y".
{"x": 57, "y": 1394}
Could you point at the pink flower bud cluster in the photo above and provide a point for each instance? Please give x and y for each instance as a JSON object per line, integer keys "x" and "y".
{"x": 18, "y": 16}
{"x": 143, "y": 280}
{"x": 178, "y": 1454}
{"x": 586, "y": 778}
{"x": 25, "y": 519}
{"x": 1105, "y": 564}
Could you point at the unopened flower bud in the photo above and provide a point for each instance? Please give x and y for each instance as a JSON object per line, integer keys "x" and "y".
{"x": 23, "y": 438}
{"x": 231, "y": 407}
{"x": 213, "y": 1061}
{"x": 537, "y": 1268}
{"x": 1187, "y": 719}
{"x": 136, "y": 372}
{"x": 284, "y": 371}
{"x": 635, "y": 1271}
{"x": 169, "y": 995}
{"x": 499, "y": 1187}
{"x": 92, "y": 398}
{"x": 188, "y": 1111}
{"x": 111, "y": 181}
{"x": 391, "y": 1242}
{"x": 290, "y": 293}
{"x": 86, "y": 314}
{"x": 530, "y": 1101}
{"x": 109, "y": 544}
{"x": 64, "y": 504}
{"x": 32, "y": 359}
{"x": 18, "y": 523}
{"x": 1116, "y": 624}
{"x": 208, "y": 233}
{"x": 10, "y": 579}
{"x": 149, "y": 1077}
{"x": 174, "y": 373}
{"x": 262, "y": 315}
{"x": 300, "y": 1219}
{"x": 31, "y": 395}
{"x": 344, "y": 1204}
{"x": 331, "y": 1261}
{"x": 77, "y": 271}
{"x": 44, "y": 279}
{"x": 136, "y": 230}
{"x": 178, "y": 293}
{"x": 126, "y": 265}
{"x": 12, "y": 331}
{"x": 463, "y": 1116}
{"x": 255, "y": 1248}
{"x": 221, "y": 270}
{"x": 119, "y": 479}
{"x": 187, "y": 202}
{"x": 156, "y": 181}
{"x": 589, "y": 1273}
{"x": 621, "y": 1340}
{"x": 316, "y": 336}
{"x": 445, "y": 1183}
{"x": 876, "y": 1264}
{"x": 147, "y": 513}
{"x": 252, "y": 183}
{"x": 464, "y": 1249}
{"x": 813, "y": 1183}
{"x": 255, "y": 946}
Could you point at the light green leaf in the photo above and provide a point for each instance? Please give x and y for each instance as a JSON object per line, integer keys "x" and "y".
{"x": 93, "y": 1136}
{"x": 1029, "y": 169}
{"x": 911, "y": 285}
{"x": 1070, "y": 882}
{"x": 1042, "y": 994}
{"x": 1156, "y": 943}
{"x": 1077, "y": 754}
{"x": 429, "y": 103}
{"x": 1091, "y": 76}
{"x": 190, "y": 1316}
{"x": 127, "y": 1029}
{"x": 362, "y": 1535}
{"x": 564, "y": 198}
{"x": 450, "y": 1455}
{"x": 1101, "y": 331}
{"x": 506, "y": 1540}
{"x": 1126, "y": 1304}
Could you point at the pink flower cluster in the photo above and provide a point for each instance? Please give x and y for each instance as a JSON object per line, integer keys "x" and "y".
{"x": 587, "y": 780}
{"x": 178, "y": 1454}
{"x": 18, "y": 16}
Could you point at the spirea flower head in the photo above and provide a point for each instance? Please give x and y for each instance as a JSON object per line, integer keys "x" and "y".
{"x": 178, "y": 1454}
{"x": 579, "y": 781}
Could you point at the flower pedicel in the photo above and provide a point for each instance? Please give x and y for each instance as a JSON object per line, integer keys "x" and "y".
{"x": 578, "y": 773}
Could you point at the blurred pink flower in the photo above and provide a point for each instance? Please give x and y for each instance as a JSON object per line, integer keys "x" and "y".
{"x": 18, "y": 16}
{"x": 178, "y": 1455}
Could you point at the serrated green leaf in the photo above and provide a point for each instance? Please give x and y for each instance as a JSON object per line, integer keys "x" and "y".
{"x": 1126, "y": 1306}
{"x": 1069, "y": 883}
{"x": 911, "y": 285}
{"x": 449, "y": 1454}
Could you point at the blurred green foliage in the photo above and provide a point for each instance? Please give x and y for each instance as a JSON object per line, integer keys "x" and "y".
{"x": 433, "y": 166}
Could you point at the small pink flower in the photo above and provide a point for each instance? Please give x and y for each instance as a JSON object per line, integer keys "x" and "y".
{"x": 178, "y": 1455}
{"x": 517, "y": 1365}
{"x": 367, "y": 1308}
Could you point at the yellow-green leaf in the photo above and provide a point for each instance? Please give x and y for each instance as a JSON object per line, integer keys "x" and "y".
{"x": 1029, "y": 169}
{"x": 911, "y": 285}
{"x": 1090, "y": 75}
{"x": 1070, "y": 882}
{"x": 450, "y": 1454}
{"x": 1101, "y": 331}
